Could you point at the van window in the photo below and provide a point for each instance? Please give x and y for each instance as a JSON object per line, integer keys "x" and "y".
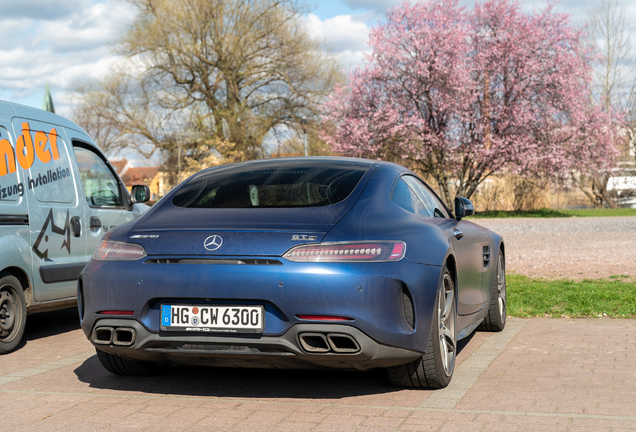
{"x": 100, "y": 185}
{"x": 11, "y": 189}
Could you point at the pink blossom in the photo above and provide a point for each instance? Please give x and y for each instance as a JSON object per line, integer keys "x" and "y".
{"x": 466, "y": 94}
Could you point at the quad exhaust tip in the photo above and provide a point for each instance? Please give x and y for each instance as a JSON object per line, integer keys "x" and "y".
{"x": 124, "y": 336}
{"x": 343, "y": 343}
{"x": 121, "y": 336}
{"x": 320, "y": 343}
{"x": 314, "y": 342}
{"x": 103, "y": 335}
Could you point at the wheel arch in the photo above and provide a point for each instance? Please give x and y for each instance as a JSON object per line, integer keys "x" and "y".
{"x": 451, "y": 265}
{"x": 23, "y": 278}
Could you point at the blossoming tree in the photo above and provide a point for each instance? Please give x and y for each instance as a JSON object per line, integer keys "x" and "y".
{"x": 466, "y": 94}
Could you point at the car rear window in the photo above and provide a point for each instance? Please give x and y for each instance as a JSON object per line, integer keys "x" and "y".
{"x": 273, "y": 184}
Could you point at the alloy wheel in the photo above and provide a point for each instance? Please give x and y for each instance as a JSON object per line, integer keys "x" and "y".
{"x": 446, "y": 322}
{"x": 501, "y": 287}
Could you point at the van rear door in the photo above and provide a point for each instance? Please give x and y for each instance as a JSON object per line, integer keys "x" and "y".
{"x": 58, "y": 247}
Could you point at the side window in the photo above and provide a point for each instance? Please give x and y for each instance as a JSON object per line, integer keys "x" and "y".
{"x": 406, "y": 198}
{"x": 100, "y": 185}
{"x": 431, "y": 202}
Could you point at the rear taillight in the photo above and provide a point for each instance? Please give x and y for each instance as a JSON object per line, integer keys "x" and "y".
{"x": 348, "y": 252}
{"x": 116, "y": 251}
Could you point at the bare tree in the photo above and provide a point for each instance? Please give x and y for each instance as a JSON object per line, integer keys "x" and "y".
{"x": 615, "y": 79}
{"x": 611, "y": 31}
{"x": 87, "y": 111}
{"x": 197, "y": 73}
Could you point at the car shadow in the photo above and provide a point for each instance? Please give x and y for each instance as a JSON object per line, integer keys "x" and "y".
{"x": 245, "y": 383}
{"x": 45, "y": 324}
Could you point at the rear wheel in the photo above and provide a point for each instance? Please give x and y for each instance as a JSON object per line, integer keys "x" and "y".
{"x": 435, "y": 368}
{"x": 495, "y": 321}
{"x": 122, "y": 366}
{"x": 12, "y": 312}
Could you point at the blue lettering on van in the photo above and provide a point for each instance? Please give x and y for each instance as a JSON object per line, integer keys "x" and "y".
{"x": 11, "y": 191}
{"x": 49, "y": 177}
{"x": 54, "y": 229}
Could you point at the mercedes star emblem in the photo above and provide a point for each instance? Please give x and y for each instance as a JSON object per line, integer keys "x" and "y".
{"x": 213, "y": 242}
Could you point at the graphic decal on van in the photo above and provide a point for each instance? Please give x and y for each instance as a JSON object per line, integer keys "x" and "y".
{"x": 54, "y": 229}
{"x": 27, "y": 149}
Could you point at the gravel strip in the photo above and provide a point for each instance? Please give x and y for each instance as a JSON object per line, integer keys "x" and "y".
{"x": 576, "y": 248}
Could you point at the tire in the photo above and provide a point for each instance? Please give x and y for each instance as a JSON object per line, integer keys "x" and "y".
{"x": 12, "y": 312}
{"x": 435, "y": 368}
{"x": 495, "y": 321}
{"x": 122, "y": 366}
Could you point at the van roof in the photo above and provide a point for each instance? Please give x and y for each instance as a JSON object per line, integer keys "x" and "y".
{"x": 10, "y": 109}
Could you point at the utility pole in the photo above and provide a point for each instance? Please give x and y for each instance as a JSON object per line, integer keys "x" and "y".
{"x": 303, "y": 121}
{"x": 179, "y": 160}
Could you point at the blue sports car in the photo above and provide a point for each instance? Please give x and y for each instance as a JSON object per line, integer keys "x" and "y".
{"x": 296, "y": 263}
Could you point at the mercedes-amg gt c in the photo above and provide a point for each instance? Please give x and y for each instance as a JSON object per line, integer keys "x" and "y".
{"x": 296, "y": 263}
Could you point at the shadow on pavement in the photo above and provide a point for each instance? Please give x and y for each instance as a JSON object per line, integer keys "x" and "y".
{"x": 45, "y": 324}
{"x": 245, "y": 383}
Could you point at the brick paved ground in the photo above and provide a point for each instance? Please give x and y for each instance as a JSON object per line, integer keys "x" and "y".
{"x": 537, "y": 375}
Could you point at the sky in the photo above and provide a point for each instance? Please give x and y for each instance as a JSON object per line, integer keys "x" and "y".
{"x": 64, "y": 41}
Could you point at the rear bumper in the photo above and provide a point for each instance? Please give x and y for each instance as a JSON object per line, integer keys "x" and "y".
{"x": 345, "y": 347}
{"x": 370, "y": 295}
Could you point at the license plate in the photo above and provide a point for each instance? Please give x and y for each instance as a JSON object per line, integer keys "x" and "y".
{"x": 213, "y": 318}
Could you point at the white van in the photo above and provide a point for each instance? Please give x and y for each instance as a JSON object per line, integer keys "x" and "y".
{"x": 58, "y": 196}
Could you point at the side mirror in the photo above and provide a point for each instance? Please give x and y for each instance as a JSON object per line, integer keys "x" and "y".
{"x": 140, "y": 193}
{"x": 463, "y": 207}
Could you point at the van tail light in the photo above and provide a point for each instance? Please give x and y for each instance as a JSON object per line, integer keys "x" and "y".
{"x": 367, "y": 251}
{"x": 118, "y": 251}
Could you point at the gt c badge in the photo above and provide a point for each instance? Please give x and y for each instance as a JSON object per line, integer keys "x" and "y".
{"x": 297, "y": 237}
{"x": 213, "y": 242}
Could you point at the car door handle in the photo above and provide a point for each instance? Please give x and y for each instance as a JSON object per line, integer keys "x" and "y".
{"x": 457, "y": 233}
{"x": 95, "y": 223}
{"x": 76, "y": 226}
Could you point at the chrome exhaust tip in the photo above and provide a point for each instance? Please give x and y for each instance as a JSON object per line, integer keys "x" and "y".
{"x": 314, "y": 342}
{"x": 103, "y": 336}
{"x": 343, "y": 343}
{"x": 124, "y": 336}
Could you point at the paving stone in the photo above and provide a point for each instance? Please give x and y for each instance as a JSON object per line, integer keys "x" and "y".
{"x": 547, "y": 375}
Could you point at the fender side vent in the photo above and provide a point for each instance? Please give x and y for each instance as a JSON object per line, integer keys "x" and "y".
{"x": 486, "y": 256}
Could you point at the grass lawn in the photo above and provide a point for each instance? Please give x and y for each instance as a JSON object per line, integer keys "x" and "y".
{"x": 614, "y": 297}
{"x": 549, "y": 213}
